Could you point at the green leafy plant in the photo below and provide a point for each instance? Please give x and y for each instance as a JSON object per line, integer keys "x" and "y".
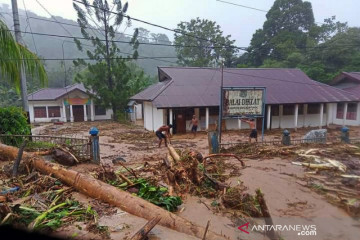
{"x": 13, "y": 122}
{"x": 153, "y": 194}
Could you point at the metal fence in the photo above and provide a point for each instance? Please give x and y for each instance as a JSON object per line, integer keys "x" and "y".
{"x": 79, "y": 146}
{"x": 292, "y": 142}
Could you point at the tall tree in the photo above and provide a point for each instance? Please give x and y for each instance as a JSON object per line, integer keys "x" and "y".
{"x": 14, "y": 56}
{"x": 285, "y": 30}
{"x": 109, "y": 73}
{"x": 210, "y": 42}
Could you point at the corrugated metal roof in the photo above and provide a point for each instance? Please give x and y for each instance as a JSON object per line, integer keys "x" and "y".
{"x": 200, "y": 87}
{"x": 152, "y": 91}
{"x": 54, "y": 93}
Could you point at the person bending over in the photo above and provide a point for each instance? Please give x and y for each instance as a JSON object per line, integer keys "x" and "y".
{"x": 159, "y": 133}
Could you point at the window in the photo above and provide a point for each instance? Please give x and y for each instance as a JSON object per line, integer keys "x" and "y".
{"x": 40, "y": 112}
{"x": 99, "y": 110}
{"x": 288, "y": 110}
{"x": 351, "y": 111}
{"x": 313, "y": 109}
{"x": 340, "y": 110}
{"x": 54, "y": 111}
{"x": 274, "y": 110}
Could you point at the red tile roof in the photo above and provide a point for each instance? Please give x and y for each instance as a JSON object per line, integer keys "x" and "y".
{"x": 200, "y": 87}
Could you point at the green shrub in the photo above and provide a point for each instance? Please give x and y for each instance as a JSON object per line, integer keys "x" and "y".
{"x": 13, "y": 121}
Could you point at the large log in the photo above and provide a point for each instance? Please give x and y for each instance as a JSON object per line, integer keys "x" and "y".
{"x": 173, "y": 153}
{"x": 110, "y": 194}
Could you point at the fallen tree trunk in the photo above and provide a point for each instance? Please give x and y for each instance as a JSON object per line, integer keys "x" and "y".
{"x": 112, "y": 195}
{"x": 173, "y": 153}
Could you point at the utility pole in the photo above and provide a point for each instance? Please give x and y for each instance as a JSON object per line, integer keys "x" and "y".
{"x": 221, "y": 102}
{"x": 18, "y": 38}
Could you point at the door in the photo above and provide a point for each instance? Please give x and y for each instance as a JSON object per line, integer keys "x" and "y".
{"x": 180, "y": 122}
{"x": 78, "y": 112}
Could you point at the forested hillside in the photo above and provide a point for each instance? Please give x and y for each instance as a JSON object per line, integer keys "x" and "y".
{"x": 51, "y": 47}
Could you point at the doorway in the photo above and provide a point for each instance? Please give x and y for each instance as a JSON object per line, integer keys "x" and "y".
{"x": 78, "y": 112}
{"x": 180, "y": 121}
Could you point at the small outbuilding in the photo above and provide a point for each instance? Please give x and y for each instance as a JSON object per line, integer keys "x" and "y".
{"x": 293, "y": 100}
{"x": 71, "y": 103}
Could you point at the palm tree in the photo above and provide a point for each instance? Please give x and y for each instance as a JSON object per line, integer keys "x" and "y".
{"x": 13, "y": 56}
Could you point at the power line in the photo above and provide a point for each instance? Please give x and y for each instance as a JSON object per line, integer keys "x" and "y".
{"x": 71, "y": 59}
{"x": 159, "y": 26}
{"x": 160, "y": 44}
{"x": 27, "y": 18}
{"x": 243, "y": 6}
{"x": 239, "y": 5}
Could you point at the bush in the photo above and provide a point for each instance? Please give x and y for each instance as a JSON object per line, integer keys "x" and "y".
{"x": 13, "y": 121}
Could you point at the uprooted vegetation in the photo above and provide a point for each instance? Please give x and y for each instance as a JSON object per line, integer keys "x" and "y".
{"x": 42, "y": 203}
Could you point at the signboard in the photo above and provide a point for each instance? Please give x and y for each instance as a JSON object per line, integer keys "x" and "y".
{"x": 76, "y": 101}
{"x": 243, "y": 102}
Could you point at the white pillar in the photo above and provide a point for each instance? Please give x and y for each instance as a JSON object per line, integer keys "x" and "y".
{"x": 329, "y": 113}
{"x": 92, "y": 110}
{"x": 305, "y": 113}
{"x": 71, "y": 114}
{"x": 321, "y": 115}
{"x": 85, "y": 113}
{"x": 268, "y": 121}
{"x": 239, "y": 123}
{"x": 64, "y": 112}
{"x": 47, "y": 112}
{"x": 280, "y": 114}
{"x": 296, "y": 116}
{"x": 171, "y": 118}
{"x": 345, "y": 113}
{"x": 207, "y": 119}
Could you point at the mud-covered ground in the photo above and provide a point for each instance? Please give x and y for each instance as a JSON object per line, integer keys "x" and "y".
{"x": 289, "y": 189}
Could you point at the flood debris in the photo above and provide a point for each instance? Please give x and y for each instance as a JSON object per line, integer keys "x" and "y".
{"x": 110, "y": 194}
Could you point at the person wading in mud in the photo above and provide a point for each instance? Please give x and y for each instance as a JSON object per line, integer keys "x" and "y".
{"x": 253, "y": 133}
{"x": 161, "y": 136}
{"x": 194, "y": 122}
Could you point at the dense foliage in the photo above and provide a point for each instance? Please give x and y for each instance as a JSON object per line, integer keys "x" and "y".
{"x": 13, "y": 121}
{"x": 290, "y": 38}
{"x": 210, "y": 44}
{"x": 14, "y": 56}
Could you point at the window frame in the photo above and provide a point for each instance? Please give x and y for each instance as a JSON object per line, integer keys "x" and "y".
{"x": 98, "y": 108}
{"x": 36, "y": 111}
{"x": 51, "y": 108}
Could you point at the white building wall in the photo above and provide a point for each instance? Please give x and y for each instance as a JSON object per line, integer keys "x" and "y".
{"x": 59, "y": 103}
{"x": 138, "y": 111}
{"x": 153, "y": 117}
{"x": 46, "y": 104}
{"x": 347, "y": 122}
{"x": 107, "y": 116}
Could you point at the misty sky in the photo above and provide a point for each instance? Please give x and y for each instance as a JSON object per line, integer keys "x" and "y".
{"x": 239, "y": 22}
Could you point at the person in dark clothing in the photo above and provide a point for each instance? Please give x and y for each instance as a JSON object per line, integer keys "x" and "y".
{"x": 159, "y": 133}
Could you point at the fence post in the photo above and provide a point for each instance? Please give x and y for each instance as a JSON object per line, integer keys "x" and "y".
{"x": 286, "y": 138}
{"x": 94, "y": 145}
{"x": 345, "y": 135}
{"x": 213, "y": 142}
